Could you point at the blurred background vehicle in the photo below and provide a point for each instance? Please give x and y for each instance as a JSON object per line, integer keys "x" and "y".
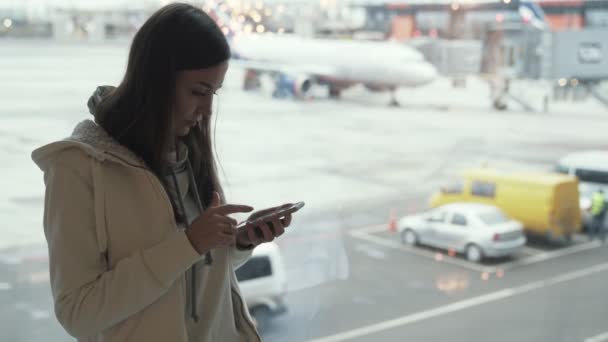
{"x": 477, "y": 230}
{"x": 263, "y": 282}
{"x": 591, "y": 169}
{"x": 546, "y": 203}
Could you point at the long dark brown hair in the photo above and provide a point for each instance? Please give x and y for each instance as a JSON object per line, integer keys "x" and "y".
{"x": 138, "y": 112}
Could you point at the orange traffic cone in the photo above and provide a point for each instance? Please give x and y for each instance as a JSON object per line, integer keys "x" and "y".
{"x": 392, "y": 221}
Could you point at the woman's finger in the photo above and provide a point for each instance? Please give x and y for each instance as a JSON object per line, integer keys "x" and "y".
{"x": 228, "y": 209}
{"x": 225, "y": 219}
{"x": 286, "y": 220}
{"x": 268, "y": 236}
{"x": 253, "y": 237}
{"x": 228, "y": 228}
{"x": 278, "y": 227}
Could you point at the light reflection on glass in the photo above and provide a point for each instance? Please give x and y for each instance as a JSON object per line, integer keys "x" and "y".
{"x": 452, "y": 283}
{"x": 438, "y": 257}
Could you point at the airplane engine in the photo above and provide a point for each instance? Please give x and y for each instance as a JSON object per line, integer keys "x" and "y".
{"x": 292, "y": 86}
{"x": 251, "y": 80}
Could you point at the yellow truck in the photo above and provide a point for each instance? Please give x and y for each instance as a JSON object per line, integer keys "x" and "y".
{"x": 545, "y": 203}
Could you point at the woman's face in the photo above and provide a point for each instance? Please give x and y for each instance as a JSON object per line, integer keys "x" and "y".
{"x": 194, "y": 96}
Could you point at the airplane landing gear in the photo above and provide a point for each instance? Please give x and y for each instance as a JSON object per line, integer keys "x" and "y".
{"x": 394, "y": 102}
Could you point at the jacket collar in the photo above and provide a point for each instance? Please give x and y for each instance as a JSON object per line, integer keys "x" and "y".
{"x": 90, "y": 133}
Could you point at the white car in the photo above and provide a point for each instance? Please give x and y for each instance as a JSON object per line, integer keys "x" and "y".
{"x": 476, "y": 230}
{"x": 263, "y": 282}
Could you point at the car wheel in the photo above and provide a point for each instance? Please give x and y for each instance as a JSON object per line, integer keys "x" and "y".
{"x": 409, "y": 237}
{"x": 473, "y": 253}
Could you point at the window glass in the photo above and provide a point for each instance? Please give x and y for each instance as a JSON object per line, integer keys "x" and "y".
{"x": 256, "y": 267}
{"x": 483, "y": 189}
{"x": 459, "y": 220}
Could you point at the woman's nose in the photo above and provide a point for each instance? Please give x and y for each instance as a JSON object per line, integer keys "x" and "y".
{"x": 202, "y": 112}
{"x": 204, "y": 108}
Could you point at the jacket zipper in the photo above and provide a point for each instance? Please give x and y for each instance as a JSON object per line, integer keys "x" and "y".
{"x": 157, "y": 184}
{"x": 165, "y": 195}
{"x": 243, "y": 316}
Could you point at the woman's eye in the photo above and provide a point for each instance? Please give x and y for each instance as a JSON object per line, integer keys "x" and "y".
{"x": 199, "y": 93}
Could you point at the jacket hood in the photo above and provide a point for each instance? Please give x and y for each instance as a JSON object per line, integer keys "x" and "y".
{"x": 93, "y": 140}
{"x": 89, "y": 137}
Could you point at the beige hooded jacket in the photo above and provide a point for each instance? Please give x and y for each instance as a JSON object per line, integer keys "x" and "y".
{"x": 118, "y": 260}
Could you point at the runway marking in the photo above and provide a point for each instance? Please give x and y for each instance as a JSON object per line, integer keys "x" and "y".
{"x": 551, "y": 255}
{"x": 466, "y": 304}
{"x": 598, "y": 338}
{"x": 531, "y": 250}
{"x": 366, "y": 234}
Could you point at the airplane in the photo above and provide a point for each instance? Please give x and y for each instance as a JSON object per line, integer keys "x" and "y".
{"x": 296, "y": 63}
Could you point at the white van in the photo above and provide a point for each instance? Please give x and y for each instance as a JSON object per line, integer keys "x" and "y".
{"x": 263, "y": 282}
{"x": 591, "y": 168}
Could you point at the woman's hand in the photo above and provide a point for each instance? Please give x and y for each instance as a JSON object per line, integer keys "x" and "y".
{"x": 214, "y": 228}
{"x": 246, "y": 237}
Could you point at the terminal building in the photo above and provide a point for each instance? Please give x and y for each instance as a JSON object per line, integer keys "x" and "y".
{"x": 563, "y": 42}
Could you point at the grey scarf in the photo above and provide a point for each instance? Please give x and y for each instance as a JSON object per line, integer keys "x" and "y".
{"x": 199, "y": 204}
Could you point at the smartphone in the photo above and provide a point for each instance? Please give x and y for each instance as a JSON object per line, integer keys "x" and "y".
{"x": 279, "y": 212}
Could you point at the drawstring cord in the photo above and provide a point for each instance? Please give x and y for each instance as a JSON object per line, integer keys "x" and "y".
{"x": 199, "y": 204}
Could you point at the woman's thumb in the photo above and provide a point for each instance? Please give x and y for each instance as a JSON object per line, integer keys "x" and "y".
{"x": 215, "y": 202}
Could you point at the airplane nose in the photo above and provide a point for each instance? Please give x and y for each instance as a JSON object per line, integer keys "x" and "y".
{"x": 427, "y": 72}
{"x": 417, "y": 74}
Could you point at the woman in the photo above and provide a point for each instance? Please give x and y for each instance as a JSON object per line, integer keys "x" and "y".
{"x": 133, "y": 199}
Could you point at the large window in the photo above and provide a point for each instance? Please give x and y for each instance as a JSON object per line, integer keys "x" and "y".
{"x": 376, "y": 113}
